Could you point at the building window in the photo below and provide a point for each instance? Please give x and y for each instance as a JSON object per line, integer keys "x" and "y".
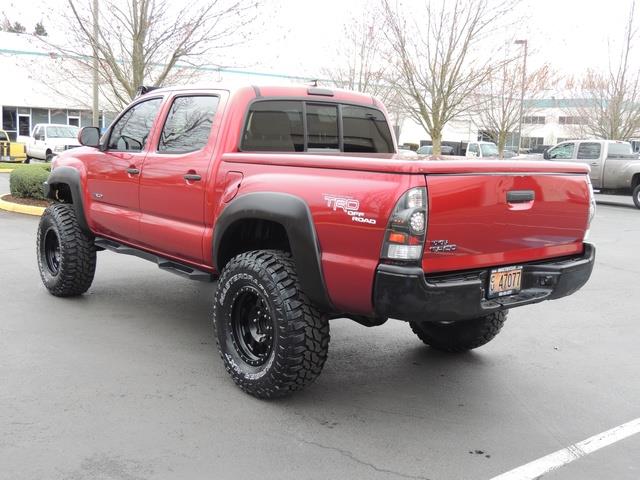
{"x": 10, "y": 121}
{"x": 533, "y": 120}
{"x": 571, "y": 120}
{"x": 531, "y": 142}
{"x": 39, "y": 115}
{"x": 59, "y": 116}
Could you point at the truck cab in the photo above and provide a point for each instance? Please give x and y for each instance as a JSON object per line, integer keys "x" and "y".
{"x": 49, "y": 139}
{"x": 615, "y": 168}
{"x": 482, "y": 150}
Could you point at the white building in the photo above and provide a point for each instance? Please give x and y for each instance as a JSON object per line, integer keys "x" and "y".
{"x": 546, "y": 122}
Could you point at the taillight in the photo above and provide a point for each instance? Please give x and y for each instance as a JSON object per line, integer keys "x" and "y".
{"x": 407, "y": 227}
{"x": 592, "y": 208}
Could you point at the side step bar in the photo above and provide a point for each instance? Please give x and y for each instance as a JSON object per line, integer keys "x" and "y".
{"x": 163, "y": 263}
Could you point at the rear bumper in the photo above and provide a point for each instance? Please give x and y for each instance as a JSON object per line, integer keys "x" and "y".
{"x": 405, "y": 293}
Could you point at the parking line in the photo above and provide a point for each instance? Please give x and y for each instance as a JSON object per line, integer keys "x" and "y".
{"x": 546, "y": 464}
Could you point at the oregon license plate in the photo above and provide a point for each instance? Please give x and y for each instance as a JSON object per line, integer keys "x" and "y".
{"x": 505, "y": 281}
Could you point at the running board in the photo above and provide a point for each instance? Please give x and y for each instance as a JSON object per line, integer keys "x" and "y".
{"x": 163, "y": 263}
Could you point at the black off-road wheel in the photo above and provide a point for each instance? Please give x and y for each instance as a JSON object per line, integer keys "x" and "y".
{"x": 460, "y": 336}
{"x": 636, "y": 196}
{"x": 66, "y": 255}
{"x": 272, "y": 339}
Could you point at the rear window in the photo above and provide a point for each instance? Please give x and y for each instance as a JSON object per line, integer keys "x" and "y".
{"x": 274, "y": 126}
{"x": 620, "y": 149}
{"x": 322, "y": 127}
{"x": 277, "y": 125}
{"x": 365, "y": 130}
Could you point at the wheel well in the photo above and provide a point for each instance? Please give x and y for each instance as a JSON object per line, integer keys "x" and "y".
{"x": 635, "y": 181}
{"x": 61, "y": 192}
{"x": 251, "y": 234}
{"x": 48, "y": 151}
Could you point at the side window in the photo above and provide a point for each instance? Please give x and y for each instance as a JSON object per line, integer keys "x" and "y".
{"x": 366, "y": 130}
{"x": 473, "y": 148}
{"x": 322, "y": 127}
{"x": 132, "y": 129}
{"x": 188, "y": 124}
{"x": 274, "y": 126}
{"x": 562, "y": 151}
{"x": 589, "y": 151}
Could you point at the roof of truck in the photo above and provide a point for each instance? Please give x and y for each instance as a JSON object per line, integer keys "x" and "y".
{"x": 319, "y": 92}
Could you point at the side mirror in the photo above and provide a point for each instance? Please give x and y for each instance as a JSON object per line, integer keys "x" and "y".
{"x": 89, "y": 137}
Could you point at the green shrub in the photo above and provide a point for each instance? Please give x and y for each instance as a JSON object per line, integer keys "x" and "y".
{"x": 26, "y": 181}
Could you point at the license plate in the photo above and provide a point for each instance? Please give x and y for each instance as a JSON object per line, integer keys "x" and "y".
{"x": 505, "y": 281}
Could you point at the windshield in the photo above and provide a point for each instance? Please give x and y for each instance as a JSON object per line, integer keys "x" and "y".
{"x": 489, "y": 150}
{"x": 62, "y": 131}
{"x": 623, "y": 148}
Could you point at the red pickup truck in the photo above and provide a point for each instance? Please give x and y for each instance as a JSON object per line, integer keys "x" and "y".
{"x": 294, "y": 199}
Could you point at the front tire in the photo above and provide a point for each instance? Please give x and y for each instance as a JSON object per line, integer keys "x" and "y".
{"x": 460, "y": 336}
{"x": 636, "y": 196}
{"x": 66, "y": 255}
{"x": 272, "y": 339}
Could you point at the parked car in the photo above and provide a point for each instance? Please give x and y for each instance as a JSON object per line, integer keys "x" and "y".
{"x": 428, "y": 150}
{"x": 11, "y": 151}
{"x": 49, "y": 139}
{"x": 615, "y": 168}
{"x": 406, "y": 152}
{"x": 295, "y": 199}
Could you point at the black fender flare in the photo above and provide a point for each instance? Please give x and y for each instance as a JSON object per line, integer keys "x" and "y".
{"x": 294, "y": 215}
{"x": 70, "y": 177}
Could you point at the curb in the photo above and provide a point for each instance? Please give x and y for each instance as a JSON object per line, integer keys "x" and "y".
{"x": 6, "y": 170}
{"x": 17, "y": 208}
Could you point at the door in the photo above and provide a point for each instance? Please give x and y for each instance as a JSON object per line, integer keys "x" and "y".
{"x": 24, "y": 125}
{"x": 563, "y": 151}
{"x": 113, "y": 174}
{"x": 175, "y": 177}
{"x": 591, "y": 154}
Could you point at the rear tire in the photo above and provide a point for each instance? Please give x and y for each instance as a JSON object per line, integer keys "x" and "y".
{"x": 48, "y": 157}
{"x": 66, "y": 255}
{"x": 636, "y": 196}
{"x": 272, "y": 339}
{"x": 460, "y": 336}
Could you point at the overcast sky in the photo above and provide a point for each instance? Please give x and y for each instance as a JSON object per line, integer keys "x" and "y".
{"x": 299, "y": 37}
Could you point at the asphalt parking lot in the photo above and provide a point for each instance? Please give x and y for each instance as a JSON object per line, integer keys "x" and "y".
{"x": 125, "y": 382}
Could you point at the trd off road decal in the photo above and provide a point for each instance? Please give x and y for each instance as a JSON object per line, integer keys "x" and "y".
{"x": 350, "y": 206}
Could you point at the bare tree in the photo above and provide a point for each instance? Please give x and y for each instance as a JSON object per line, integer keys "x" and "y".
{"x": 363, "y": 64}
{"x": 497, "y": 101}
{"x": 150, "y": 42}
{"x": 609, "y": 102}
{"x": 440, "y": 62}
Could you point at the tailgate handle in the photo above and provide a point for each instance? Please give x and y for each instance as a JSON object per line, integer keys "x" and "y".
{"x": 521, "y": 196}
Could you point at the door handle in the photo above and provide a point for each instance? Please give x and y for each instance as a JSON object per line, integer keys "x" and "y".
{"x": 595, "y": 164}
{"x": 133, "y": 171}
{"x": 192, "y": 177}
{"x": 520, "y": 196}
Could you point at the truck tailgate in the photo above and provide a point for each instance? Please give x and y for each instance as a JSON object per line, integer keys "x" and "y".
{"x": 481, "y": 220}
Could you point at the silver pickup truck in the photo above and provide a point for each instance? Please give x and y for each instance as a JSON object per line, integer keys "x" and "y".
{"x": 614, "y": 167}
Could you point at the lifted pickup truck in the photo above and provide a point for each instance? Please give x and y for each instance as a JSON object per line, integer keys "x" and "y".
{"x": 615, "y": 168}
{"x": 295, "y": 200}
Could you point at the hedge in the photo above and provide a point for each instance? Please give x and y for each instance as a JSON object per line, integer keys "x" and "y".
{"x": 26, "y": 181}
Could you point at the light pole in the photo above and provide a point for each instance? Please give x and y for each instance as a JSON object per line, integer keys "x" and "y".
{"x": 524, "y": 73}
